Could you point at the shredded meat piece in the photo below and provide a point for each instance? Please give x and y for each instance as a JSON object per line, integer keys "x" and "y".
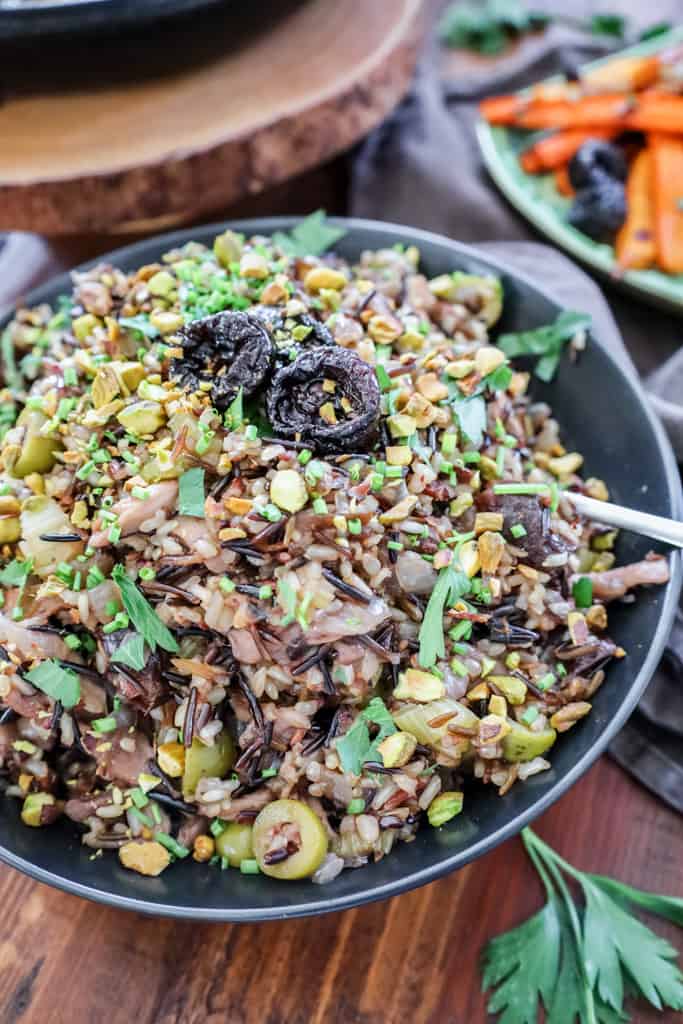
{"x": 614, "y": 583}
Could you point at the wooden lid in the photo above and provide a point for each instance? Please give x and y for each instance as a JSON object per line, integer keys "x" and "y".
{"x": 253, "y": 111}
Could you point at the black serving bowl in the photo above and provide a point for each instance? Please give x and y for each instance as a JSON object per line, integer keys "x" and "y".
{"x": 39, "y": 18}
{"x": 604, "y": 414}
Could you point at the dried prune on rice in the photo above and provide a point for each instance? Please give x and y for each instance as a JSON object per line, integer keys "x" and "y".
{"x": 329, "y": 398}
{"x": 231, "y": 350}
{"x": 292, "y": 335}
{"x": 595, "y": 160}
{"x": 539, "y": 541}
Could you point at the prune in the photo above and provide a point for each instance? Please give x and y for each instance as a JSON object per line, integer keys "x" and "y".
{"x": 231, "y": 350}
{"x": 329, "y": 397}
{"x": 594, "y": 161}
{"x": 599, "y": 210}
{"x": 292, "y": 335}
{"x": 539, "y": 541}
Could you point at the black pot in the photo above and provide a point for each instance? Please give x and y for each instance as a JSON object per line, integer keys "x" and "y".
{"x": 604, "y": 414}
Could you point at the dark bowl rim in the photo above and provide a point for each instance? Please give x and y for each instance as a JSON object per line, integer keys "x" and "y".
{"x": 415, "y": 879}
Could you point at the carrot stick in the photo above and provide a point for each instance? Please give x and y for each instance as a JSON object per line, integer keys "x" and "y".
{"x": 502, "y": 109}
{"x": 635, "y": 243}
{"x": 667, "y": 175}
{"x": 591, "y": 111}
{"x": 623, "y": 74}
{"x": 556, "y": 150}
{"x": 562, "y": 182}
{"x": 656, "y": 112}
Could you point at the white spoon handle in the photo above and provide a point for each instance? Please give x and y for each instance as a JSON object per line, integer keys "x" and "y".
{"x": 657, "y": 527}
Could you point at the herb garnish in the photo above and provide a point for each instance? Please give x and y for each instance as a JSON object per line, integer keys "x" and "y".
{"x": 546, "y": 342}
{"x": 13, "y": 378}
{"x": 471, "y": 415}
{"x": 311, "y": 237}
{"x": 16, "y": 573}
{"x": 131, "y": 653}
{"x": 59, "y": 683}
{"x": 451, "y": 585}
{"x": 141, "y": 324}
{"x": 191, "y": 494}
{"x": 141, "y": 613}
{"x": 580, "y": 960}
{"x": 355, "y": 747}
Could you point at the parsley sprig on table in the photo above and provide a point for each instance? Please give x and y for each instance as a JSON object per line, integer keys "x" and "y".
{"x": 579, "y": 960}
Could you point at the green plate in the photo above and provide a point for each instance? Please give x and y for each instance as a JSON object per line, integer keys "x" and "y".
{"x": 536, "y": 197}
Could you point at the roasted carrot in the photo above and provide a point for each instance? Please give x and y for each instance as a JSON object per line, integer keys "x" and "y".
{"x": 623, "y": 74}
{"x": 635, "y": 243}
{"x": 667, "y": 177}
{"x": 562, "y": 182}
{"x": 556, "y": 150}
{"x": 589, "y": 112}
{"x": 656, "y": 112}
{"x": 502, "y": 109}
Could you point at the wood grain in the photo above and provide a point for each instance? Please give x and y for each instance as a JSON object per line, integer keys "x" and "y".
{"x": 413, "y": 958}
{"x": 143, "y": 149}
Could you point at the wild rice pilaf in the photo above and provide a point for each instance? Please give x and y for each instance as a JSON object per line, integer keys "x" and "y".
{"x": 286, "y": 561}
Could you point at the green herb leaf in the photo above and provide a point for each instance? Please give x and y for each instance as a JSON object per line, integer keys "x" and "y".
{"x": 141, "y": 324}
{"x": 141, "y": 613}
{"x": 582, "y": 961}
{"x": 546, "y": 342}
{"x": 523, "y": 963}
{"x": 191, "y": 495}
{"x": 16, "y": 573}
{"x": 451, "y": 585}
{"x": 132, "y": 653}
{"x": 607, "y": 25}
{"x": 355, "y": 747}
{"x": 653, "y": 31}
{"x": 311, "y": 237}
{"x": 59, "y": 683}
{"x": 471, "y": 414}
{"x": 235, "y": 412}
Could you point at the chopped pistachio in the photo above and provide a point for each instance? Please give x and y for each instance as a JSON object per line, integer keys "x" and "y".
{"x": 565, "y": 465}
{"x": 171, "y": 759}
{"x": 487, "y": 359}
{"x": 33, "y": 806}
{"x": 423, "y": 687}
{"x": 161, "y": 284}
{"x": 147, "y": 857}
{"x": 433, "y": 389}
{"x": 143, "y": 417}
{"x": 445, "y": 806}
{"x": 484, "y": 521}
{"x": 401, "y": 425}
{"x": 469, "y": 558}
{"x": 513, "y": 689}
{"x": 498, "y": 706}
{"x": 397, "y": 749}
{"x": 324, "y": 277}
{"x": 288, "y": 490}
{"x": 253, "y": 264}
{"x": 491, "y": 547}
{"x": 400, "y": 511}
{"x": 569, "y": 715}
{"x": 399, "y": 455}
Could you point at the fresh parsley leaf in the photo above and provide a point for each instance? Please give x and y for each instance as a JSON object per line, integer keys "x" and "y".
{"x": 546, "y": 342}
{"x": 471, "y": 414}
{"x": 355, "y": 747}
{"x": 451, "y": 585}
{"x": 234, "y": 415}
{"x": 59, "y": 683}
{"x": 16, "y": 573}
{"x": 607, "y": 25}
{"x": 613, "y": 937}
{"x": 523, "y": 963}
{"x": 487, "y": 28}
{"x": 311, "y": 237}
{"x": 286, "y": 598}
{"x": 132, "y": 653}
{"x": 655, "y": 30}
{"x": 141, "y": 613}
{"x": 191, "y": 495}
{"x": 141, "y": 324}
{"x": 582, "y": 961}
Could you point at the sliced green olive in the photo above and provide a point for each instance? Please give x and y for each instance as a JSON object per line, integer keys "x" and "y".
{"x": 202, "y": 761}
{"x": 307, "y": 832}
{"x": 235, "y": 843}
{"x": 485, "y": 294}
{"x": 37, "y": 453}
{"x": 522, "y": 744}
{"x": 41, "y": 515}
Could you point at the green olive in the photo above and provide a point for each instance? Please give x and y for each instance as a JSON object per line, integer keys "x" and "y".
{"x": 522, "y": 744}
{"x": 202, "y": 761}
{"x": 235, "y": 843}
{"x": 37, "y": 453}
{"x": 311, "y": 840}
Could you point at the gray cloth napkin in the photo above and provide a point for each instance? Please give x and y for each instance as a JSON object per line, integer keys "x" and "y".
{"x": 422, "y": 167}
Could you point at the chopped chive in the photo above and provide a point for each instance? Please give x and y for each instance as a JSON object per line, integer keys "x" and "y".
{"x": 499, "y": 428}
{"x": 249, "y": 867}
{"x": 518, "y": 530}
{"x": 460, "y": 649}
{"x": 521, "y": 488}
{"x": 217, "y": 827}
{"x": 395, "y": 545}
{"x": 471, "y": 457}
{"x": 70, "y": 376}
{"x": 461, "y": 631}
{"x": 147, "y": 573}
{"x": 226, "y": 585}
{"x": 305, "y": 456}
{"x": 72, "y": 641}
{"x": 114, "y": 535}
{"x": 139, "y": 798}
{"x": 458, "y": 667}
{"x": 530, "y": 715}
{"x": 394, "y": 471}
{"x": 265, "y": 592}
{"x": 320, "y": 506}
{"x": 144, "y": 819}
{"x": 172, "y": 845}
{"x": 111, "y": 607}
{"x": 377, "y": 481}
{"x": 86, "y": 469}
{"x": 107, "y": 724}
{"x": 141, "y": 493}
{"x": 251, "y": 433}
{"x": 500, "y": 460}
{"x": 120, "y": 621}
{"x": 356, "y": 806}
{"x": 449, "y": 443}
{"x": 271, "y": 512}
{"x": 385, "y": 381}
{"x": 269, "y": 773}
{"x": 582, "y": 592}
{"x": 546, "y": 681}
{"x": 94, "y": 578}
{"x": 355, "y": 526}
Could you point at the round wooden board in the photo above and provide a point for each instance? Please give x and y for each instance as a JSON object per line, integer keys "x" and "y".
{"x": 240, "y": 111}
